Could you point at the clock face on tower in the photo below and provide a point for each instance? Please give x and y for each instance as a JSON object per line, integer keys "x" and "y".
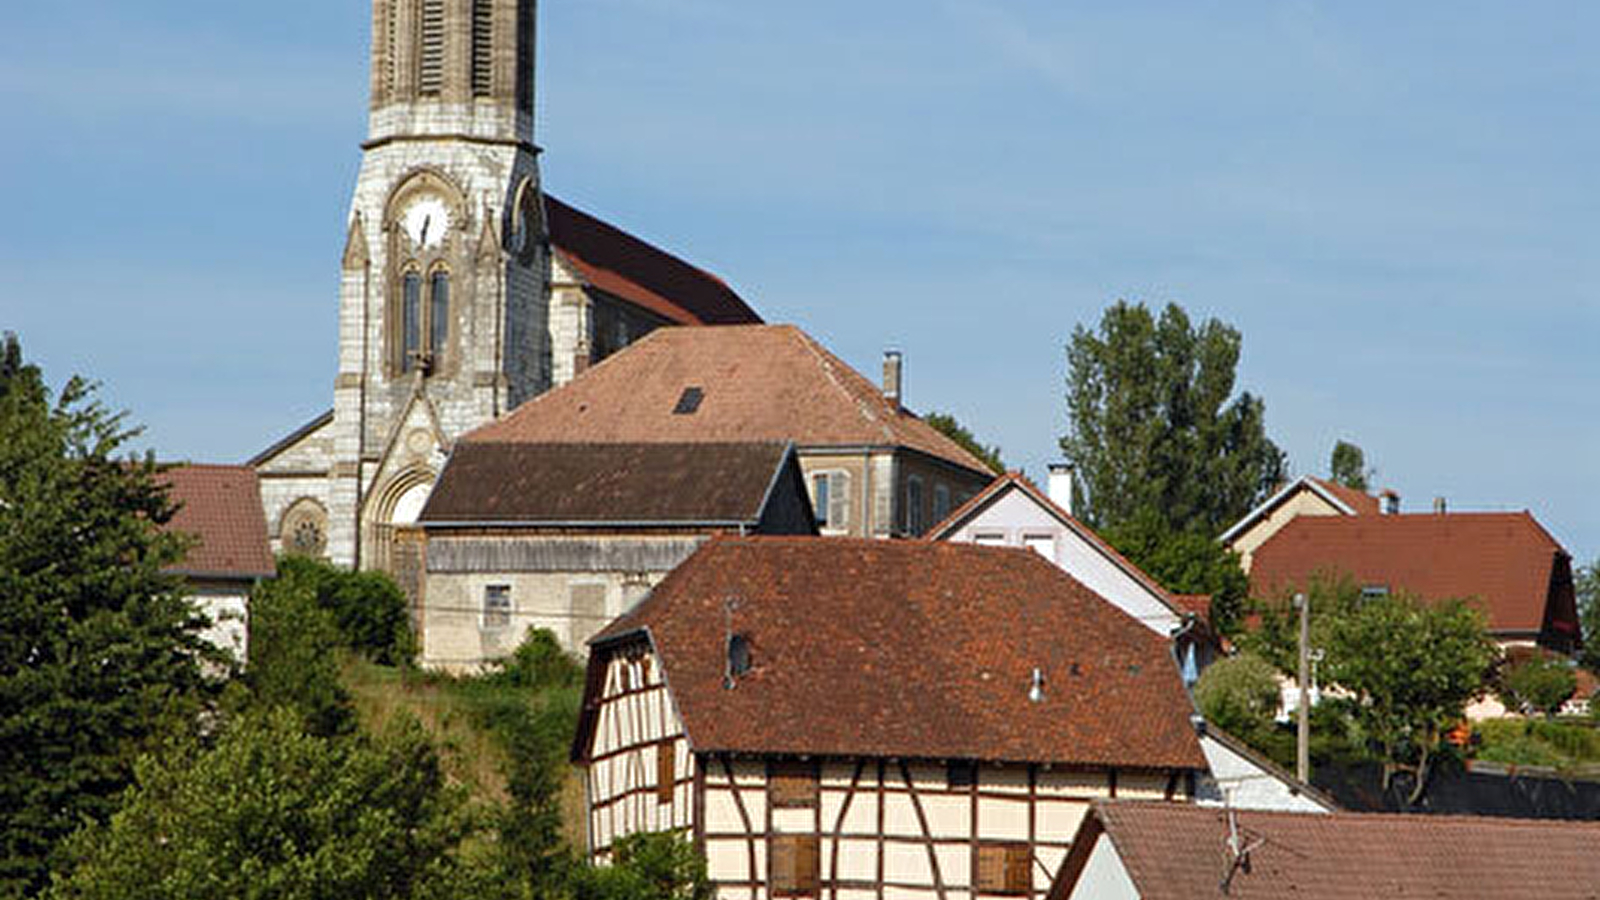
{"x": 426, "y": 220}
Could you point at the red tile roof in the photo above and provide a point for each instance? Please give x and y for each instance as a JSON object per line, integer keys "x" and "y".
{"x": 221, "y": 507}
{"x": 759, "y": 383}
{"x": 908, "y": 649}
{"x": 1178, "y": 852}
{"x": 624, "y": 266}
{"x": 1362, "y": 502}
{"x": 1505, "y": 560}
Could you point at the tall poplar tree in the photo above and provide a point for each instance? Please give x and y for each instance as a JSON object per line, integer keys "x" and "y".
{"x": 99, "y": 651}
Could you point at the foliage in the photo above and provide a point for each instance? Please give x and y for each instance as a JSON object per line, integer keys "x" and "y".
{"x": 1537, "y": 684}
{"x": 273, "y": 811}
{"x": 1239, "y": 695}
{"x": 99, "y": 650}
{"x": 1411, "y": 668}
{"x": 294, "y": 656}
{"x": 1188, "y": 562}
{"x": 1587, "y": 584}
{"x": 1538, "y": 742}
{"x": 1156, "y": 428}
{"x": 947, "y": 425}
{"x": 538, "y": 663}
{"x": 1348, "y": 466}
{"x": 661, "y": 866}
{"x": 368, "y": 608}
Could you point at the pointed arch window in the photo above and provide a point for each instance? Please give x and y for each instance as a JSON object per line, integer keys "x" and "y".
{"x": 438, "y": 312}
{"x": 424, "y": 319}
{"x": 411, "y": 324}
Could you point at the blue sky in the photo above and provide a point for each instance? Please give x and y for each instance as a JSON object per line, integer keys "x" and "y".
{"x": 1395, "y": 203}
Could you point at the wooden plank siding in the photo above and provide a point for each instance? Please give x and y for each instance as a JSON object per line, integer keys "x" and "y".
{"x": 872, "y": 829}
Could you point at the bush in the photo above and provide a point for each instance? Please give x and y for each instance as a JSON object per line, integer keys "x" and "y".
{"x": 538, "y": 662}
{"x": 661, "y": 866}
{"x": 294, "y": 646}
{"x": 1239, "y": 695}
{"x": 368, "y": 608}
{"x": 1539, "y": 684}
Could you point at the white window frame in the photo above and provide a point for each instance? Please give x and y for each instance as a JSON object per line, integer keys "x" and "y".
{"x": 838, "y": 481}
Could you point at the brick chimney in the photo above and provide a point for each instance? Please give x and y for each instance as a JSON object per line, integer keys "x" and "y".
{"x": 894, "y": 377}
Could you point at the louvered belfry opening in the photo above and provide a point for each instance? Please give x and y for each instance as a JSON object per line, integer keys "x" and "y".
{"x": 430, "y": 67}
{"x": 525, "y": 29}
{"x": 482, "y": 48}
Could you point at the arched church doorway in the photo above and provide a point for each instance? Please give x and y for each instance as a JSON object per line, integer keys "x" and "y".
{"x": 395, "y": 544}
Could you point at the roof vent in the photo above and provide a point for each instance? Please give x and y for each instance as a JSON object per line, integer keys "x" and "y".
{"x": 689, "y": 402}
{"x": 894, "y": 377}
{"x": 1036, "y": 692}
{"x": 738, "y": 660}
{"x": 1440, "y": 506}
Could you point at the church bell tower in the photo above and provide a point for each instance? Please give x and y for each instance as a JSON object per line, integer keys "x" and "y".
{"x": 443, "y": 320}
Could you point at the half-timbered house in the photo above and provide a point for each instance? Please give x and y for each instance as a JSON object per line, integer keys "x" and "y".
{"x": 866, "y": 720}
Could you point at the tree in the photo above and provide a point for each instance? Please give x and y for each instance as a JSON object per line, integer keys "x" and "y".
{"x": 1538, "y": 684}
{"x": 947, "y": 425}
{"x": 1189, "y": 562}
{"x": 1348, "y": 466}
{"x": 100, "y": 652}
{"x": 273, "y": 811}
{"x": 1587, "y": 584}
{"x": 294, "y": 656}
{"x": 368, "y": 608}
{"x": 1239, "y": 695}
{"x": 661, "y": 866}
{"x": 1155, "y": 425}
{"x": 1411, "y": 668}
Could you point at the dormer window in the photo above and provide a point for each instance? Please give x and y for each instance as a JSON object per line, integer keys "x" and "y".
{"x": 689, "y": 401}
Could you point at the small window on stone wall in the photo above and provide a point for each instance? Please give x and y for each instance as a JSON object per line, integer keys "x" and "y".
{"x": 497, "y": 606}
{"x": 305, "y": 530}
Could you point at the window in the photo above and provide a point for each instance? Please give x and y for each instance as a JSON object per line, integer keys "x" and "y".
{"x": 411, "y": 313}
{"x": 941, "y": 503}
{"x": 482, "y": 48}
{"x": 666, "y": 771}
{"x": 990, "y": 539}
{"x": 430, "y": 68}
{"x": 1004, "y": 868}
{"x": 830, "y": 499}
{"x": 793, "y": 785}
{"x": 497, "y": 606}
{"x": 961, "y": 774}
{"x": 1374, "y": 591}
{"x": 689, "y": 401}
{"x": 794, "y": 865}
{"x": 913, "y": 517}
{"x": 1042, "y": 544}
{"x": 438, "y": 312}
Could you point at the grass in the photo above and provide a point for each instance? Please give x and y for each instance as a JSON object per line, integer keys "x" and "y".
{"x": 457, "y": 712}
{"x": 1566, "y": 745}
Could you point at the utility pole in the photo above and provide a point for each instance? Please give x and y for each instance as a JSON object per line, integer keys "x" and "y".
{"x": 1303, "y": 749}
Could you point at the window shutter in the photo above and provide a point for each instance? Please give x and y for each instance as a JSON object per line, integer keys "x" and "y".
{"x": 1004, "y": 868}
{"x": 780, "y": 864}
{"x": 839, "y": 500}
{"x": 794, "y": 865}
{"x": 793, "y": 785}
{"x": 1018, "y": 869}
{"x": 666, "y": 771}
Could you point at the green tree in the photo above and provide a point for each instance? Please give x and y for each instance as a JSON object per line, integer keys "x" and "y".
{"x": 947, "y": 425}
{"x": 275, "y": 812}
{"x": 1538, "y": 684}
{"x": 1587, "y": 584}
{"x": 662, "y": 866}
{"x": 1187, "y": 562}
{"x": 1348, "y": 466}
{"x": 368, "y": 608}
{"x": 1156, "y": 427}
{"x": 1239, "y": 695}
{"x": 1411, "y": 668}
{"x": 294, "y": 656}
{"x": 99, "y": 650}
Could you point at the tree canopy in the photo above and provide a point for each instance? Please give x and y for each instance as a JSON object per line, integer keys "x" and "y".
{"x": 99, "y": 650}
{"x": 1587, "y": 584}
{"x": 1348, "y": 466}
{"x": 947, "y": 425}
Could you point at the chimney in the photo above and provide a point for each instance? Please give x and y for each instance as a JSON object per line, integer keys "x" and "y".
{"x": 1391, "y": 503}
{"x": 1440, "y": 507}
{"x": 1061, "y": 486}
{"x": 894, "y": 377}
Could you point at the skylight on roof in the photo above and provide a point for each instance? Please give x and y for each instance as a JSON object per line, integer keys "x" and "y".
{"x": 689, "y": 403}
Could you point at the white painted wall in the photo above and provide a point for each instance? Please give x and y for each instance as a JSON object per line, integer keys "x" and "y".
{"x": 1239, "y": 782}
{"x": 1104, "y": 877}
{"x": 635, "y": 722}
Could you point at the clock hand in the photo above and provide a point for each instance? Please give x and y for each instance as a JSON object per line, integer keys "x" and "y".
{"x": 427, "y": 222}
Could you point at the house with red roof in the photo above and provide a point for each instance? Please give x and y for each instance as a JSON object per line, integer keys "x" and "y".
{"x": 861, "y": 718}
{"x": 1164, "y": 851}
{"x": 219, "y": 509}
{"x": 1305, "y": 496}
{"x": 1507, "y": 564}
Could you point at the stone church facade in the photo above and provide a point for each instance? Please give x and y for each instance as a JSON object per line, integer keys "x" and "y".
{"x": 464, "y": 289}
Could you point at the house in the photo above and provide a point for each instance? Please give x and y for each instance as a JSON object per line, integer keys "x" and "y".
{"x": 219, "y": 508}
{"x": 1163, "y": 851}
{"x": 873, "y": 467}
{"x": 1013, "y": 512}
{"x": 567, "y": 536}
{"x": 1241, "y": 777}
{"x": 1505, "y": 562}
{"x": 1305, "y": 496}
{"x": 856, "y": 718}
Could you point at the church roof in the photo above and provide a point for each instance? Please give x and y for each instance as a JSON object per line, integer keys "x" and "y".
{"x": 749, "y": 383}
{"x": 220, "y": 506}
{"x": 611, "y": 260}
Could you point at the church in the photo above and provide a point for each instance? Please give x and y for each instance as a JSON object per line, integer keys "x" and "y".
{"x": 465, "y": 289}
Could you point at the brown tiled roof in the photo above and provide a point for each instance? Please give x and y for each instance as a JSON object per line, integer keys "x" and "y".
{"x": 624, "y": 266}
{"x": 1362, "y": 502}
{"x": 221, "y": 507}
{"x": 1505, "y": 560}
{"x": 606, "y": 483}
{"x": 909, "y": 649}
{"x": 1177, "y": 852}
{"x": 759, "y": 383}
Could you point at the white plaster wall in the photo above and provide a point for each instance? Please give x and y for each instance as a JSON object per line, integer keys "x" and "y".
{"x": 634, "y": 723}
{"x": 1104, "y": 877}
{"x": 1015, "y": 516}
{"x": 227, "y": 609}
{"x": 1238, "y": 782}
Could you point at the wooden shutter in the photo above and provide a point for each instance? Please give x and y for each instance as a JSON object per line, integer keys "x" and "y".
{"x": 839, "y": 500}
{"x": 794, "y": 865}
{"x": 666, "y": 771}
{"x": 793, "y": 785}
{"x": 1019, "y": 868}
{"x": 1004, "y": 868}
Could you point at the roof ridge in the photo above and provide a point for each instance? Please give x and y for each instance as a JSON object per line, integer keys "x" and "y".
{"x": 828, "y": 363}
